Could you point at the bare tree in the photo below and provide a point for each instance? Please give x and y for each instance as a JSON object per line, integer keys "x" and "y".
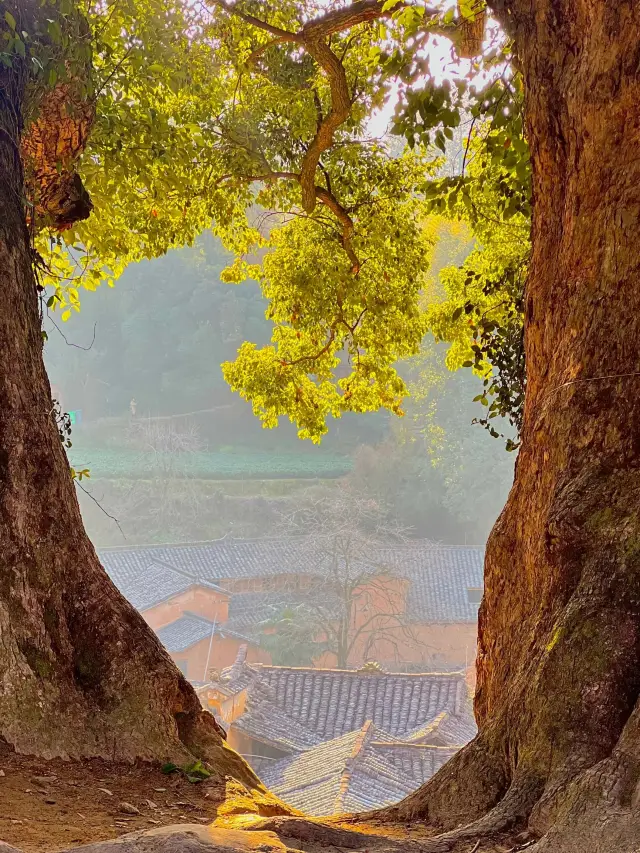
{"x": 168, "y": 451}
{"x": 355, "y": 602}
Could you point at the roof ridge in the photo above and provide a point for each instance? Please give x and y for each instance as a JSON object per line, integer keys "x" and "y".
{"x": 429, "y": 727}
{"x": 350, "y": 762}
{"x": 402, "y": 744}
{"x": 356, "y": 672}
{"x": 362, "y": 738}
{"x": 199, "y": 542}
{"x": 195, "y": 616}
{"x": 197, "y": 580}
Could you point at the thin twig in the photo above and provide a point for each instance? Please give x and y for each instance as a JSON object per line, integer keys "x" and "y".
{"x": 99, "y": 505}
{"x": 67, "y": 341}
{"x": 111, "y": 74}
{"x": 592, "y": 379}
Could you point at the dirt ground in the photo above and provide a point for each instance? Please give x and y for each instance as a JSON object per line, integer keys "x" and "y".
{"x": 51, "y": 805}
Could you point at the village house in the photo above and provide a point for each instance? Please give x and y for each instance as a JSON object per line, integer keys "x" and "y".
{"x": 359, "y": 771}
{"x": 206, "y": 600}
{"x": 329, "y": 741}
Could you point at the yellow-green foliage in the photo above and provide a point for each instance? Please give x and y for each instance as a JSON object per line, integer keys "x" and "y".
{"x": 337, "y": 334}
{"x": 203, "y": 119}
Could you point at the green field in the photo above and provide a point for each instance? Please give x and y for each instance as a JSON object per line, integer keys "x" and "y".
{"x": 218, "y": 465}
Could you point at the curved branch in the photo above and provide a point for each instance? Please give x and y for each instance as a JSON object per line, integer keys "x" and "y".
{"x": 340, "y": 112}
{"x": 327, "y": 198}
{"x": 322, "y": 195}
{"x": 360, "y": 12}
{"x": 315, "y": 356}
{"x": 312, "y": 37}
{"x": 277, "y": 32}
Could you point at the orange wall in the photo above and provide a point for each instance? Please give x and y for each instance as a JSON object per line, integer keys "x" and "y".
{"x": 224, "y": 651}
{"x": 430, "y": 645}
{"x": 197, "y": 599}
{"x": 383, "y": 594}
{"x": 228, "y": 708}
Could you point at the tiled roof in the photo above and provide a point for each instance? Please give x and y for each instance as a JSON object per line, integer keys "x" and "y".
{"x": 331, "y": 702}
{"x": 413, "y": 762}
{"x": 360, "y": 770}
{"x": 155, "y": 584}
{"x": 184, "y": 632}
{"x": 249, "y": 610}
{"x": 446, "y": 729}
{"x": 190, "y": 629}
{"x": 440, "y": 575}
{"x": 146, "y": 585}
{"x": 266, "y": 723}
{"x": 221, "y": 558}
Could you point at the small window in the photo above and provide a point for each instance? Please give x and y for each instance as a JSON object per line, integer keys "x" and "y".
{"x": 182, "y": 666}
{"x": 474, "y": 594}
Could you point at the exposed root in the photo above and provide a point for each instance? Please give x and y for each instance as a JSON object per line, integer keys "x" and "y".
{"x": 314, "y": 832}
{"x": 469, "y": 786}
{"x": 510, "y": 813}
{"x": 310, "y": 831}
{"x": 506, "y": 816}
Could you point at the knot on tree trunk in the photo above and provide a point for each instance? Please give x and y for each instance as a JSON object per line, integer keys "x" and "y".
{"x": 50, "y": 148}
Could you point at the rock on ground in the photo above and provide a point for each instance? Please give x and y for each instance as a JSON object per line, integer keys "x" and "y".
{"x": 184, "y": 838}
{"x": 195, "y": 838}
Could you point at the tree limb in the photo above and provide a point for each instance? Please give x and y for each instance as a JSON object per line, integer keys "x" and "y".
{"x": 277, "y": 32}
{"x": 321, "y": 194}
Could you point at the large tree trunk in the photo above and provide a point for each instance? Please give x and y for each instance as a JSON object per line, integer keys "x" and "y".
{"x": 81, "y": 674}
{"x": 559, "y": 629}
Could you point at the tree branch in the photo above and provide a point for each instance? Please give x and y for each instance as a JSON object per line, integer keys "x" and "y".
{"x": 323, "y": 195}
{"x": 277, "y": 32}
{"x": 339, "y": 113}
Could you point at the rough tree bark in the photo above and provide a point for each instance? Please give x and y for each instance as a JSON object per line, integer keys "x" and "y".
{"x": 559, "y": 628}
{"x": 81, "y": 674}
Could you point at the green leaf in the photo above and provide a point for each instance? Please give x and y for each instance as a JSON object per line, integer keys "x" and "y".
{"x": 10, "y": 20}
{"x": 197, "y": 769}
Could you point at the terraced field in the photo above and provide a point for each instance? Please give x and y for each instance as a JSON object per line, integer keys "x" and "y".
{"x": 217, "y": 465}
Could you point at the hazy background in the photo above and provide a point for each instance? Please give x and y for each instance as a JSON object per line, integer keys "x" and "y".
{"x": 188, "y": 461}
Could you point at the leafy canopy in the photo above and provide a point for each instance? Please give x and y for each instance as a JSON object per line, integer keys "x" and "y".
{"x": 258, "y": 120}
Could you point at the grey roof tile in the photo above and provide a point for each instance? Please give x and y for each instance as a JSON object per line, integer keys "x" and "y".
{"x": 360, "y": 770}
{"x": 184, "y": 632}
{"x": 331, "y": 702}
{"x": 440, "y": 574}
{"x": 222, "y": 558}
{"x": 446, "y": 729}
{"x": 190, "y": 629}
{"x": 267, "y": 724}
